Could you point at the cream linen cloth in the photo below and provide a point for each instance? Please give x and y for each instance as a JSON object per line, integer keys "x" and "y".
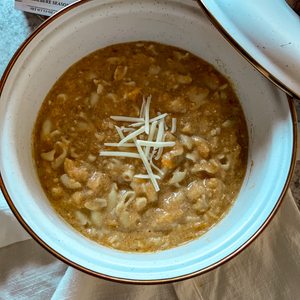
{"x": 268, "y": 269}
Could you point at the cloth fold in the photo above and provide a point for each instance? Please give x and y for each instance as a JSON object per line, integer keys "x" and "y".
{"x": 92, "y": 288}
{"x": 267, "y": 269}
{"x": 9, "y": 225}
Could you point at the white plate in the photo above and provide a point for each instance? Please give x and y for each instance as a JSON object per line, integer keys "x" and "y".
{"x": 266, "y": 33}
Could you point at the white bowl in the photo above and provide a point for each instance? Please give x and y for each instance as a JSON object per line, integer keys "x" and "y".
{"x": 87, "y": 26}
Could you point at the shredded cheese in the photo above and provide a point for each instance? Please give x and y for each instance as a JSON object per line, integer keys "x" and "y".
{"x": 153, "y": 165}
{"x": 142, "y": 112}
{"x": 156, "y": 144}
{"x": 160, "y": 150}
{"x": 147, "y": 108}
{"x": 120, "y": 132}
{"x": 117, "y": 144}
{"x": 120, "y": 153}
{"x": 161, "y": 131}
{"x": 150, "y": 137}
{"x": 158, "y": 117}
{"x": 145, "y": 176}
{"x": 154, "y": 127}
{"x": 126, "y": 119}
{"x": 150, "y": 121}
{"x": 127, "y": 129}
{"x": 173, "y": 129}
{"x": 147, "y": 165}
{"x": 159, "y": 138}
{"x": 137, "y": 124}
{"x": 132, "y": 135}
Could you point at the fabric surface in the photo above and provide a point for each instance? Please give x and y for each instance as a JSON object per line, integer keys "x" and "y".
{"x": 268, "y": 269}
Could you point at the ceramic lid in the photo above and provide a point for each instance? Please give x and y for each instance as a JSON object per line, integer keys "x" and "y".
{"x": 266, "y": 33}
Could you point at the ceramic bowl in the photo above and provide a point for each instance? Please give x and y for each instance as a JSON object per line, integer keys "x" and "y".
{"x": 87, "y": 26}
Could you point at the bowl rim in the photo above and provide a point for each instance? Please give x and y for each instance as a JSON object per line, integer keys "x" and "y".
{"x": 125, "y": 280}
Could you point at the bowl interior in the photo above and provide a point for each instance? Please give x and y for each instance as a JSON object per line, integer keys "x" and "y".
{"x": 91, "y": 25}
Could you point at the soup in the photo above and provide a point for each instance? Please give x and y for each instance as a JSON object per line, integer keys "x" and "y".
{"x": 141, "y": 146}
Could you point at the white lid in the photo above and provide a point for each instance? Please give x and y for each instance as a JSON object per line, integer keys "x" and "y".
{"x": 266, "y": 33}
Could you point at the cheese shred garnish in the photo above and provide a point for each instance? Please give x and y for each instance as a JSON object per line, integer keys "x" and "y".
{"x": 153, "y": 165}
{"x": 132, "y": 135}
{"x": 147, "y": 108}
{"x": 156, "y": 144}
{"x": 173, "y": 129}
{"x": 120, "y": 132}
{"x": 160, "y": 150}
{"x": 154, "y": 127}
{"x": 120, "y": 153}
{"x": 150, "y": 137}
{"x": 117, "y": 144}
{"x": 147, "y": 165}
{"x": 146, "y": 176}
{"x": 126, "y": 119}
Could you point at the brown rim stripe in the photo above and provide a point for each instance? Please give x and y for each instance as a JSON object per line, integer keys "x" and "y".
{"x": 124, "y": 280}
